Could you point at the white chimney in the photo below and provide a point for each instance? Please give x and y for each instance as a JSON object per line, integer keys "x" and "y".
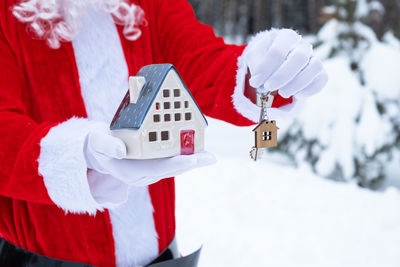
{"x": 136, "y": 84}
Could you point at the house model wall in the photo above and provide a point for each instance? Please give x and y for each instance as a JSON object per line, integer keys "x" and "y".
{"x": 159, "y": 117}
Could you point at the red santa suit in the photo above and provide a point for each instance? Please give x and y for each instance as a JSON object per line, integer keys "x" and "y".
{"x": 49, "y": 203}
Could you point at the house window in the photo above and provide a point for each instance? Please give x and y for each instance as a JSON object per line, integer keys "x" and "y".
{"x": 165, "y": 93}
{"x": 152, "y": 136}
{"x": 186, "y": 104}
{"x": 164, "y": 135}
{"x": 157, "y": 106}
{"x": 167, "y": 117}
{"x": 188, "y": 116}
{"x": 177, "y": 104}
{"x": 167, "y": 105}
{"x": 177, "y": 93}
{"x": 267, "y": 136}
{"x": 177, "y": 116}
{"x": 156, "y": 118}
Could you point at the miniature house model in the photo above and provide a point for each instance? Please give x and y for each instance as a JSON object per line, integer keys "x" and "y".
{"x": 158, "y": 116}
{"x": 266, "y": 134}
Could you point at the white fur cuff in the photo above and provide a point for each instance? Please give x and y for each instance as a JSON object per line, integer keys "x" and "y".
{"x": 242, "y": 104}
{"x": 63, "y": 167}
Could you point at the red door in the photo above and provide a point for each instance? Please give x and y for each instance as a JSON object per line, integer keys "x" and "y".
{"x": 187, "y": 142}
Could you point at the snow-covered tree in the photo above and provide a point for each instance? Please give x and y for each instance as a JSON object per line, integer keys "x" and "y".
{"x": 351, "y": 129}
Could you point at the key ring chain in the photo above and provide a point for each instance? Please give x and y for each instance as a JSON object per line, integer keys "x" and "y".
{"x": 266, "y": 130}
{"x": 264, "y": 108}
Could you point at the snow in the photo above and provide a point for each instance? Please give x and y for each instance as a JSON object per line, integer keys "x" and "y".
{"x": 330, "y": 115}
{"x": 349, "y": 130}
{"x": 330, "y": 33}
{"x": 391, "y": 40}
{"x": 329, "y": 10}
{"x": 364, "y": 8}
{"x": 381, "y": 67}
{"x": 377, "y": 6}
{"x": 393, "y": 177}
{"x": 281, "y": 211}
{"x": 372, "y": 137}
{"x": 269, "y": 213}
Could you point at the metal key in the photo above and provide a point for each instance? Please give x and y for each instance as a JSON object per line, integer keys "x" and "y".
{"x": 264, "y": 100}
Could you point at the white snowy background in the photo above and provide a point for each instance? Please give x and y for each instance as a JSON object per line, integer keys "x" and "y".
{"x": 282, "y": 210}
{"x": 269, "y": 213}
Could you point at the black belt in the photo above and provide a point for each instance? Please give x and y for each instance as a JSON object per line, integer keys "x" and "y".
{"x": 13, "y": 256}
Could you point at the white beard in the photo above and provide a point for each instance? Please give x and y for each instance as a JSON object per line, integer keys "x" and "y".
{"x": 60, "y": 20}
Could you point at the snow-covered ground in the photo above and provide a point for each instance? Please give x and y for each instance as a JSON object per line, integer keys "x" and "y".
{"x": 268, "y": 213}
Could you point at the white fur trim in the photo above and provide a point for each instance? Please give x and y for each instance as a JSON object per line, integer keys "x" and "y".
{"x": 63, "y": 167}
{"x": 103, "y": 76}
{"x": 103, "y": 71}
{"x": 242, "y": 104}
{"x": 136, "y": 240}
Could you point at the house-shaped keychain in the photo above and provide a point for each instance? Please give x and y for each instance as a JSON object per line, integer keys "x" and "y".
{"x": 158, "y": 116}
{"x": 266, "y": 134}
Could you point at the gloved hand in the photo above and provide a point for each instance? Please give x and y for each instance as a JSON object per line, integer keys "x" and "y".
{"x": 282, "y": 60}
{"x": 104, "y": 153}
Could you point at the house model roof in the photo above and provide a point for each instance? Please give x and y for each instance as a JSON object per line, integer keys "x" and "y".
{"x": 131, "y": 115}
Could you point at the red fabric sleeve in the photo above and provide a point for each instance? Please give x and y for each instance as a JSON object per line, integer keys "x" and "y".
{"x": 20, "y": 135}
{"x": 207, "y": 65}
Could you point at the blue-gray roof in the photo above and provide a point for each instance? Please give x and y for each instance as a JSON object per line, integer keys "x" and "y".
{"x": 131, "y": 115}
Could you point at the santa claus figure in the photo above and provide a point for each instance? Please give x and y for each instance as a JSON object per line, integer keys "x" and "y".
{"x": 66, "y": 194}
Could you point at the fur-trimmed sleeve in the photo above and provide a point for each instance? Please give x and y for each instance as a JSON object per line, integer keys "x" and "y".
{"x": 213, "y": 70}
{"x": 20, "y": 136}
{"x": 207, "y": 65}
{"x": 44, "y": 162}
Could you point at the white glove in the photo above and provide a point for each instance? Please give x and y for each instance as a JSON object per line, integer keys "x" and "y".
{"x": 104, "y": 154}
{"x": 282, "y": 60}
